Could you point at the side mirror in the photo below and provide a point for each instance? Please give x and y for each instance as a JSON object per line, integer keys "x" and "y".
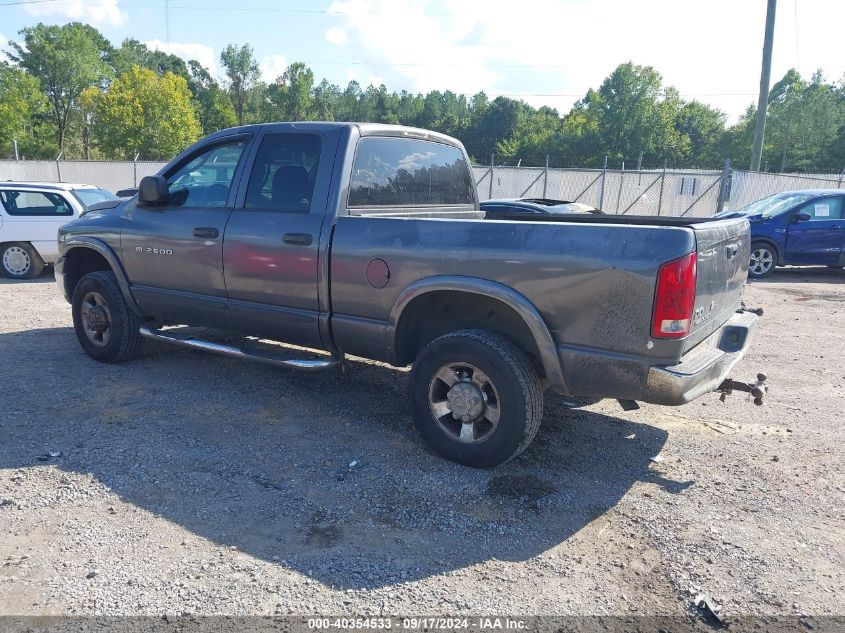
{"x": 801, "y": 217}
{"x": 152, "y": 191}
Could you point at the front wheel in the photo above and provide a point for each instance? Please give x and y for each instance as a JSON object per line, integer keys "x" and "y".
{"x": 20, "y": 260}
{"x": 475, "y": 398}
{"x": 763, "y": 260}
{"x": 105, "y": 325}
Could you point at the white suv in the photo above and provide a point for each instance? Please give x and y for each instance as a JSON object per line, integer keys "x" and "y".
{"x": 31, "y": 214}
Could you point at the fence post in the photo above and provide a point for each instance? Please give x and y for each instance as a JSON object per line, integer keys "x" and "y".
{"x": 546, "y": 176}
{"x": 15, "y": 147}
{"x": 662, "y": 182}
{"x": 492, "y": 161}
{"x": 135, "y": 169}
{"x": 619, "y": 193}
{"x": 841, "y": 173}
{"x": 59, "y": 167}
{"x": 603, "y": 178}
{"x": 723, "y": 190}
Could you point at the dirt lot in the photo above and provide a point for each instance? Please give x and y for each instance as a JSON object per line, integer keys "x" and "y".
{"x": 187, "y": 483}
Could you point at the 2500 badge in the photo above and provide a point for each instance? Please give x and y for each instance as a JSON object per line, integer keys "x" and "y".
{"x": 153, "y": 251}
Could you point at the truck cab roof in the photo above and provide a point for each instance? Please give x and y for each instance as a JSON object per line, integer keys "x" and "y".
{"x": 364, "y": 129}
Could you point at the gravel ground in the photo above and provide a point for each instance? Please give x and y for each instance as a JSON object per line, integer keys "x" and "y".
{"x": 183, "y": 483}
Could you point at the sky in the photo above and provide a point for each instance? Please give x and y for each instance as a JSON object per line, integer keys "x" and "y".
{"x": 546, "y": 52}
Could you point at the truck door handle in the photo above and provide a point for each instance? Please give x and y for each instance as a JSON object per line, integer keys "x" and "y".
{"x": 298, "y": 239}
{"x": 207, "y": 232}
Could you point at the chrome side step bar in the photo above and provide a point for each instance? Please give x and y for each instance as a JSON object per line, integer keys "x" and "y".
{"x": 234, "y": 352}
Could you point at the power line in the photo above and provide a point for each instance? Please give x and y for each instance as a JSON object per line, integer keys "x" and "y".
{"x": 148, "y": 5}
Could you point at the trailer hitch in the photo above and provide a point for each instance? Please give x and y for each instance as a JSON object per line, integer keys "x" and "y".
{"x": 757, "y": 389}
{"x": 757, "y": 311}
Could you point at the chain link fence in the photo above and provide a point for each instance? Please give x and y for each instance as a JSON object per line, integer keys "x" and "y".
{"x": 112, "y": 175}
{"x": 693, "y": 193}
{"x": 747, "y": 186}
{"x": 642, "y": 192}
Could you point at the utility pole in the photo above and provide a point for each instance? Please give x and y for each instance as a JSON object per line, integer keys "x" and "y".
{"x": 167, "y": 21}
{"x": 765, "y": 76}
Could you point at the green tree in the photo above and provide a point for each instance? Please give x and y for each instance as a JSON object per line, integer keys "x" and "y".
{"x": 211, "y": 103}
{"x": 21, "y": 106}
{"x": 145, "y": 114}
{"x": 498, "y": 122}
{"x": 243, "y": 74}
{"x": 66, "y": 60}
{"x": 135, "y": 53}
{"x": 291, "y": 97}
{"x": 704, "y": 126}
{"x": 626, "y": 106}
{"x": 325, "y": 99}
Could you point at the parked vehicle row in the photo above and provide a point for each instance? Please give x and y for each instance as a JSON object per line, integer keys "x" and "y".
{"x": 803, "y": 228}
{"x": 30, "y": 216}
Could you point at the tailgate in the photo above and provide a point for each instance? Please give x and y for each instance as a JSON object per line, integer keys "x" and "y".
{"x": 724, "y": 249}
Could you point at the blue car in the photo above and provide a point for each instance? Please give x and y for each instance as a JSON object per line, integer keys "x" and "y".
{"x": 803, "y": 228}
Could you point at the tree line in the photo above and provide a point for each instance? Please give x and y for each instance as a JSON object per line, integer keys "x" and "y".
{"x": 67, "y": 89}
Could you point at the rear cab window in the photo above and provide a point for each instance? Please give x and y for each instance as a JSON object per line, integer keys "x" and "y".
{"x": 34, "y": 203}
{"x": 402, "y": 172}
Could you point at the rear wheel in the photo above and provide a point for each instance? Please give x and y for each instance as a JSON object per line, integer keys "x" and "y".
{"x": 105, "y": 325}
{"x": 20, "y": 260}
{"x": 763, "y": 260}
{"x": 475, "y": 397}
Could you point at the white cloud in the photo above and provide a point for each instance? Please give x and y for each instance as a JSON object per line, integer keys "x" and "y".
{"x": 4, "y": 43}
{"x": 336, "y": 36}
{"x": 554, "y": 50}
{"x": 428, "y": 46}
{"x": 101, "y": 12}
{"x": 272, "y": 67}
{"x": 203, "y": 53}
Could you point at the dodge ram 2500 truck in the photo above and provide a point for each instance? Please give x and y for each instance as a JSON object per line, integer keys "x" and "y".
{"x": 368, "y": 240}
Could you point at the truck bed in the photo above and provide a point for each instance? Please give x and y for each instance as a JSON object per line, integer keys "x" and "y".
{"x": 591, "y": 277}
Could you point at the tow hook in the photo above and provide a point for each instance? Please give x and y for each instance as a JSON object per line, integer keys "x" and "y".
{"x": 757, "y": 389}
{"x": 757, "y": 311}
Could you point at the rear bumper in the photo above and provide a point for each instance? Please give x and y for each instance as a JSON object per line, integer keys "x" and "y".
{"x": 699, "y": 371}
{"x": 704, "y": 367}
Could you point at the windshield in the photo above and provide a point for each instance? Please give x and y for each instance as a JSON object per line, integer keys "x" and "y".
{"x": 93, "y": 196}
{"x": 773, "y": 205}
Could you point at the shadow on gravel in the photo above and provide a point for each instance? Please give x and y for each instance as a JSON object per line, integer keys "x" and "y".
{"x": 322, "y": 473}
{"x": 47, "y": 277}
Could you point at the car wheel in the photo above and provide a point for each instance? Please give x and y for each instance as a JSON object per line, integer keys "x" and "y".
{"x": 475, "y": 398}
{"x": 107, "y": 329}
{"x": 763, "y": 260}
{"x": 20, "y": 261}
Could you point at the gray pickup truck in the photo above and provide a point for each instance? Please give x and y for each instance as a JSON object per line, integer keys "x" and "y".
{"x": 368, "y": 240}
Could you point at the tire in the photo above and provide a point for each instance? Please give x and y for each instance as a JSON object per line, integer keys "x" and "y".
{"x": 19, "y": 260}
{"x": 764, "y": 259}
{"x": 97, "y": 298}
{"x": 478, "y": 363}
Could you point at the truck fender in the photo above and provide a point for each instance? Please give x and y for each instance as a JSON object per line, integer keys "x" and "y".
{"x": 510, "y": 297}
{"x": 94, "y": 244}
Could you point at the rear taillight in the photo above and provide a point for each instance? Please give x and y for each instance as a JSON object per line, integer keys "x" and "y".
{"x": 674, "y": 298}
